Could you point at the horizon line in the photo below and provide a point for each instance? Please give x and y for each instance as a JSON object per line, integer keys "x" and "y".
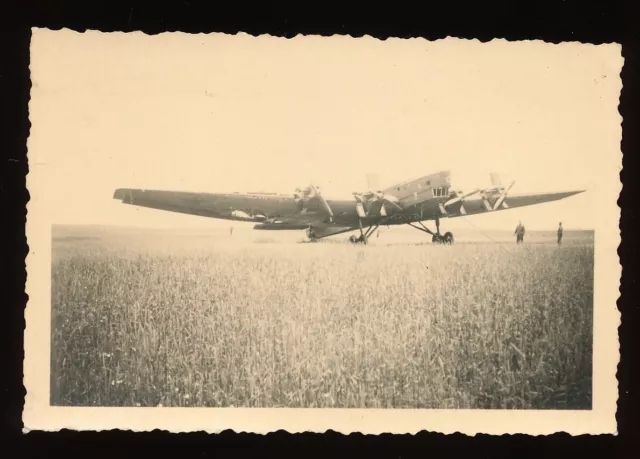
{"x": 177, "y": 227}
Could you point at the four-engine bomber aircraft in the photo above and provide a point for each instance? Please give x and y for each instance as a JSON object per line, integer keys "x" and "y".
{"x": 427, "y": 198}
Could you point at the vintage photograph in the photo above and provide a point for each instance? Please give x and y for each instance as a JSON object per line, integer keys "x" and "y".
{"x": 324, "y": 223}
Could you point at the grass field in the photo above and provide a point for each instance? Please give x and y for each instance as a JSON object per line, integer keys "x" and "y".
{"x": 143, "y": 319}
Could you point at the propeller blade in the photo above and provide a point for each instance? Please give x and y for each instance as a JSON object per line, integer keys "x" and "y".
{"x": 394, "y": 204}
{"x": 391, "y": 200}
{"x": 325, "y": 205}
{"x": 452, "y": 201}
{"x": 312, "y": 192}
{"x": 503, "y": 196}
{"x": 460, "y": 198}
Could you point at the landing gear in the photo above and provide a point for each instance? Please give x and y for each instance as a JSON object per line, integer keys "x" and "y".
{"x": 364, "y": 235}
{"x": 447, "y": 238}
{"x": 437, "y": 238}
{"x": 311, "y": 235}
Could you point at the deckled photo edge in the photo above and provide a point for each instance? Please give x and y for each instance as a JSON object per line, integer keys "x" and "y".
{"x": 38, "y": 415}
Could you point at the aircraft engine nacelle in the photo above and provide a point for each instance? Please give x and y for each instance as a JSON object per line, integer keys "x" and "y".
{"x": 307, "y": 204}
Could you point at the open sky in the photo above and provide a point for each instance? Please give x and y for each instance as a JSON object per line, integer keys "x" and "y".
{"x": 237, "y": 113}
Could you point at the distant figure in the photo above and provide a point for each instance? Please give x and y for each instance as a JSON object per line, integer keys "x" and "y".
{"x": 560, "y": 234}
{"x": 231, "y": 231}
{"x": 519, "y": 232}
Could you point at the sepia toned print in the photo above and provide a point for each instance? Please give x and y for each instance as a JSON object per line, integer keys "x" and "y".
{"x": 336, "y": 233}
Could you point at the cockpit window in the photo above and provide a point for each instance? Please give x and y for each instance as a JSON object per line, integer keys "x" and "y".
{"x": 440, "y": 192}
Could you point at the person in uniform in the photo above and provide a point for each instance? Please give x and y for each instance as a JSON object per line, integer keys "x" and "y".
{"x": 560, "y": 233}
{"x": 519, "y": 232}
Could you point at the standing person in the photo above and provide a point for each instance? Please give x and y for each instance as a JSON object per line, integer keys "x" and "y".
{"x": 560, "y": 234}
{"x": 519, "y": 232}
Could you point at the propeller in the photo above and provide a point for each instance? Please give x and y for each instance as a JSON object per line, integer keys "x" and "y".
{"x": 309, "y": 193}
{"x": 485, "y": 193}
{"x": 503, "y": 196}
{"x": 360, "y": 201}
{"x": 461, "y": 198}
{"x": 370, "y": 197}
{"x": 496, "y": 189}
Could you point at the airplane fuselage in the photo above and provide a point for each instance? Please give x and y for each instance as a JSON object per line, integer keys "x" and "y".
{"x": 263, "y": 207}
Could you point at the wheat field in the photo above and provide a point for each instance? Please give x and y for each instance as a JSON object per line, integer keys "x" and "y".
{"x": 149, "y": 319}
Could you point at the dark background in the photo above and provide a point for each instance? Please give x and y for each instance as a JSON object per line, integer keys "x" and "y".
{"x": 551, "y": 21}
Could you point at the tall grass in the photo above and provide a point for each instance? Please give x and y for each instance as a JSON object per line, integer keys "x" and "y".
{"x": 140, "y": 323}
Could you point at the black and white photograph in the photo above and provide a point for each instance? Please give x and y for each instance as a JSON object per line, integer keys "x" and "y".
{"x": 412, "y": 230}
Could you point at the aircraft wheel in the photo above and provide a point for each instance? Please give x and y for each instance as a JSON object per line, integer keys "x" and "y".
{"x": 311, "y": 234}
{"x": 448, "y": 238}
{"x": 353, "y": 239}
{"x": 436, "y": 239}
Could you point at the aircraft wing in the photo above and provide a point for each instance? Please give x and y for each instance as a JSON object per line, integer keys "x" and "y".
{"x": 500, "y": 201}
{"x": 256, "y": 207}
{"x": 184, "y": 202}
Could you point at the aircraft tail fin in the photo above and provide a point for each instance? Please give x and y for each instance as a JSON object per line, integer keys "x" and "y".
{"x": 373, "y": 182}
{"x": 495, "y": 180}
